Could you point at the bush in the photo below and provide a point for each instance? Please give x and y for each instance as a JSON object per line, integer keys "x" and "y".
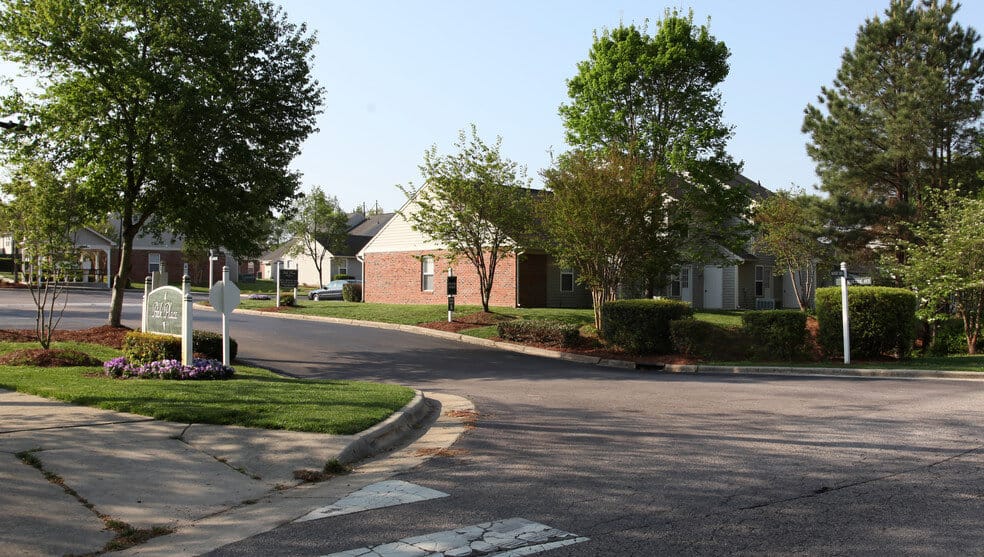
{"x": 883, "y": 320}
{"x": 352, "y": 292}
{"x": 342, "y": 277}
{"x": 209, "y": 345}
{"x": 775, "y": 334}
{"x": 642, "y": 326}
{"x": 141, "y": 348}
{"x": 287, "y": 300}
{"x": 949, "y": 337}
{"x": 695, "y": 338}
{"x": 552, "y": 333}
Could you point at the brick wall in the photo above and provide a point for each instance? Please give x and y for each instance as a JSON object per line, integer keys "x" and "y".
{"x": 395, "y": 278}
{"x": 173, "y": 262}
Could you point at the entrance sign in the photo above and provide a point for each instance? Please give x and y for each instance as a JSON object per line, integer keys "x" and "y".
{"x": 167, "y": 311}
{"x": 164, "y": 310}
{"x": 224, "y": 297}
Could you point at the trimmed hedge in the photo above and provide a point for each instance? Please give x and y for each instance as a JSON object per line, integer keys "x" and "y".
{"x": 142, "y": 348}
{"x": 642, "y": 326}
{"x": 552, "y": 333}
{"x": 352, "y": 292}
{"x": 342, "y": 277}
{"x": 287, "y": 300}
{"x": 883, "y": 320}
{"x": 775, "y": 334}
{"x": 696, "y": 338}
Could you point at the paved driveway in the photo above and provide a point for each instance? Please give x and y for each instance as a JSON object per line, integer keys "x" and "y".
{"x": 650, "y": 464}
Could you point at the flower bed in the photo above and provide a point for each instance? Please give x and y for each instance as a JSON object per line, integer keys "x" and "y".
{"x": 120, "y": 368}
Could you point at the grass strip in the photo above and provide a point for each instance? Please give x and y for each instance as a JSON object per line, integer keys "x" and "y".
{"x": 253, "y": 398}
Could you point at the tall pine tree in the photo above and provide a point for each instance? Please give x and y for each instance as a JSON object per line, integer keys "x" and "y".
{"x": 902, "y": 120}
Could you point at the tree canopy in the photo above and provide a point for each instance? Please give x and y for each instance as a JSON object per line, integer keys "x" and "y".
{"x": 176, "y": 112}
{"x": 604, "y": 215}
{"x": 475, "y": 202}
{"x": 655, "y": 98}
{"x": 790, "y": 227}
{"x": 900, "y": 122}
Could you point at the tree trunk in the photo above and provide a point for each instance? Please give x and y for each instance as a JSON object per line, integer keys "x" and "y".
{"x": 121, "y": 280}
{"x": 597, "y": 299}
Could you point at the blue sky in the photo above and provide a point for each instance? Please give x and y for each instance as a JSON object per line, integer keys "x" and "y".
{"x": 402, "y": 76}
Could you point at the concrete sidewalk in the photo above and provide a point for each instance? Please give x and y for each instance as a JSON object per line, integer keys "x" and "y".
{"x": 66, "y": 471}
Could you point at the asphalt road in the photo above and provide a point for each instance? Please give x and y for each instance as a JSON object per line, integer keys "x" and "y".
{"x": 643, "y": 463}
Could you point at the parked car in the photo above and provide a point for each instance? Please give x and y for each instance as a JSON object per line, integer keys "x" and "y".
{"x": 331, "y": 291}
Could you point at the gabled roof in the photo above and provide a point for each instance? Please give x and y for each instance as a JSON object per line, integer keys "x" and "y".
{"x": 370, "y": 226}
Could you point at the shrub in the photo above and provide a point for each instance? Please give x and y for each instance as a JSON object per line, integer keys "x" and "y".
{"x": 342, "y": 277}
{"x": 141, "y": 348}
{"x": 352, "y": 292}
{"x": 642, "y": 326}
{"x": 200, "y": 369}
{"x": 695, "y": 338}
{"x": 949, "y": 337}
{"x": 551, "y": 333}
{"x": 287, "y": 300}
{"x": 209, "y": 345}
{"x": 775, "y": 334}
{"x": 883, "y": 320}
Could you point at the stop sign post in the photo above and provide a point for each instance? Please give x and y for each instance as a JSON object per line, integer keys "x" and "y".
{"x": 224, "y": 297}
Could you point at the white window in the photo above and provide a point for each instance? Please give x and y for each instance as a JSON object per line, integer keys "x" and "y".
{"x": 567, "y": 280}
{"x": 343, "y": 269}
{"x": 153, "y": 262}
{"x": 680, "y": 282}
{"x": 427, "y": 273}
{"x": 761, "y": 276}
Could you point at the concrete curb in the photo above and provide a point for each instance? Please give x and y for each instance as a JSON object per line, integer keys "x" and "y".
{"x": 389, "y": 433}
{"x": 626, "y": 364}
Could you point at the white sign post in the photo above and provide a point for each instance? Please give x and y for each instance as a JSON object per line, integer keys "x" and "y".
{"x": 187, "y": 350}
{"x": 844, "y": 315}
{"x": 276, "y": 273}
{"x": 224, "y": 297}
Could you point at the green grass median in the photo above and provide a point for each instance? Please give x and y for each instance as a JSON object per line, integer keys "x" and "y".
{"x": 253, "y": 398}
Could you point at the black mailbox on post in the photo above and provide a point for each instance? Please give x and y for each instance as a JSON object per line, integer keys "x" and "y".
{"x": 452, "y": 286}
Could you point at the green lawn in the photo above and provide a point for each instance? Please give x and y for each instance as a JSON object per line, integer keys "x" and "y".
{"x": 254, "y": 398}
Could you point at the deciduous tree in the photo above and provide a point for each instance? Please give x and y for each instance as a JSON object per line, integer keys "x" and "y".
{"x": 791, "y": 228}
{"x": 947, "y": 269}
{"x": 657, "y": 95}
{"x": 318, "y": 226}
{"x": 179, "y": 112}
{"x": 44, "y": 212}
{"x": 604, "y": 214}
{"x": 475, "y": 202}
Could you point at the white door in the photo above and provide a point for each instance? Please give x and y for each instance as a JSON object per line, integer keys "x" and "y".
{"x": 713, "y": 287}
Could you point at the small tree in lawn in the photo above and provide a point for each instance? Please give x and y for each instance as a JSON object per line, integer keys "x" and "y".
{"x": 790, "y": 228}
{"x": 43, "y": 213}
{"x": 607, "y": 214}
{"x": 948, "y": 270}
{"x": 475, "y": 203}
{"x": 318, "y": 227}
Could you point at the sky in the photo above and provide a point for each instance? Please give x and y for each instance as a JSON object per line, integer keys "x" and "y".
{"x": 403, "y": 76}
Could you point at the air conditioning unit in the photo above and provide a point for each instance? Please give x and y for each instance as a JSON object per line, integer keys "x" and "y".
{"x": 765, "y": 303}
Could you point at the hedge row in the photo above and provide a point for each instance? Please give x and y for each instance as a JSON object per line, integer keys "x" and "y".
{"x": 141, "y": 348}
{"x": 775, "y": 334}
{"x": 642, "y": 326}
{"x": 551, "y": 333}
{"x": 882, "y": 320}
{"x": 352, "y": 292}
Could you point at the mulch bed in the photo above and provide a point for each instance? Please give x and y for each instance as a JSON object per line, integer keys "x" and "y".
{"x": 465, "y": 322}
{"x": 55, "y": 357}
{"x": 105, "y": 335}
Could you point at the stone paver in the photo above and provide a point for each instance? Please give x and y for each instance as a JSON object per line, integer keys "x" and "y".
{"x": 505, "y": 538}
{"x": 376, "y": 496}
